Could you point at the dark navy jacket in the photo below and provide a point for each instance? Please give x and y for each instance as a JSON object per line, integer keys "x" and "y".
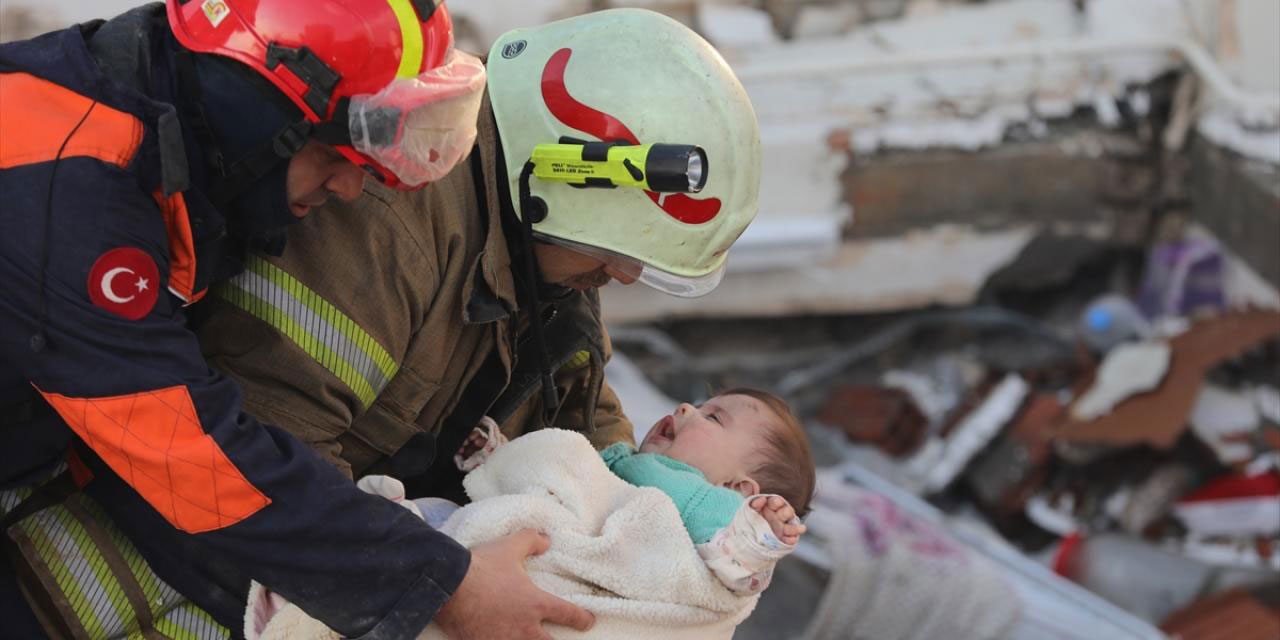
{"x": 103, "y": 241}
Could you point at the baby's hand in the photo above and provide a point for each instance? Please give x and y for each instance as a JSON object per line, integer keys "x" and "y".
{"x": 479, "y": 445}
{"x": 474, "y": 442}
{"x": 781, "y": 517}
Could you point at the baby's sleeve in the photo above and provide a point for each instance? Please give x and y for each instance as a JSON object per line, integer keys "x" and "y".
{"x": 615, "y": 453}
{"x": 743, "y": 554}
{"x": 493, "y": 440}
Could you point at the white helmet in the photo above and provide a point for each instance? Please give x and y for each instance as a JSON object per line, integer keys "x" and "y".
{"x": 634, "y": 77}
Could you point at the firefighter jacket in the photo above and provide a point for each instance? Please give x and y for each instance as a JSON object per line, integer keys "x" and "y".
{"x": 102, "y": 243}
{"x": 386, "y": 314}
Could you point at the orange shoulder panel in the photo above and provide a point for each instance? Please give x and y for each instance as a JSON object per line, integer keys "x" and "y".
{"x": 36, "y": 115}
{"x": 182, "y": 251}
{"x": 154, "y": 441}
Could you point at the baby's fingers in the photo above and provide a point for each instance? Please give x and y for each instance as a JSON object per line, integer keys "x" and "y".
{"x": 784, "y": 510}
{"x": 794, "y": 529}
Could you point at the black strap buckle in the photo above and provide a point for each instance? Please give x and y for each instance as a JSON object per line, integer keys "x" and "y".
{"x": 292, "y": 139}
{"x": 319, "y": 77}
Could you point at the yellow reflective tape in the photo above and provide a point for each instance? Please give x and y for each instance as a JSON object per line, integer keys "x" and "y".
{"x": 188, "y": 621}
{"x": 307, "y": 342}
{"x": 172, "y": 615}
{"x": 410, "y": 38}
{"x": 159, "y": 595}
{"x": 579, "y": 360}
{"x": 369, "y": 348}
{"x": 62, "y": 574}
{"x": 209, "y": 624}
{"x": 174, "y": 629}
{"x": 93, "y": 558}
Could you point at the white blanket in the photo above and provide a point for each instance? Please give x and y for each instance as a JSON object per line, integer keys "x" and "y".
{"x": 619, "y": 551}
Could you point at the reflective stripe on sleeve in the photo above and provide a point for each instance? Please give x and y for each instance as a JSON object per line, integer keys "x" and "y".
{"x": 80, "y": 556}
{"x": 316, "y": 326}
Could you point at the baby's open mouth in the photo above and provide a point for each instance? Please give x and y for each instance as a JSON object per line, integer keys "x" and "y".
{"x": 666, "y": 428}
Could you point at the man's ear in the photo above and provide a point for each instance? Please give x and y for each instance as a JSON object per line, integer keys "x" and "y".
{"x": 746, "y": 486}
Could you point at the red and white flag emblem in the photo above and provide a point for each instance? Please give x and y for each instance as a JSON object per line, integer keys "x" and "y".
{"x": 124, "y": 281}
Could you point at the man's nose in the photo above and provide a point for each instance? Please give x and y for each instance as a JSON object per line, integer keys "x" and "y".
{"x": 346, "y": 181}
{"x": 618, "y": 275}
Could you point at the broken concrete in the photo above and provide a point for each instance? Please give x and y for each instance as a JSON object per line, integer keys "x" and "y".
{"x": 1007, "y": 475}
{"x": 884, "y": 417}
{"x": 1238, "y": 199}
{"x": 1158, "y": 418}
{"x": 945, "y": 265}
{"x": 1232, "y": 615}
{"x": 1127, "y": 370}
{"x": 1088, "y": 182}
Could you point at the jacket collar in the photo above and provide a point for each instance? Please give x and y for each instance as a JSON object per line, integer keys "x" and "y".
{"x": 490, "y": 293}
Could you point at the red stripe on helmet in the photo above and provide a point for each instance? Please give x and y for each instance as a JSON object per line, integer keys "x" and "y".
{"x": 574, "y": 114}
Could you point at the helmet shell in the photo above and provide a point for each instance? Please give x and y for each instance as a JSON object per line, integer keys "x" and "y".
{"x": 639, "y": 76}
{"x": 367, "y": 42}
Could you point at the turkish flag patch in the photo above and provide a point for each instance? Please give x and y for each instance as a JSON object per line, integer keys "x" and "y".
{"x": 125, "y": 281}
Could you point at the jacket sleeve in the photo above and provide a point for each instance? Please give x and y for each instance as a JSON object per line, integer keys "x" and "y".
{"x": 278, "y": 386}
{"x": 611, "y": 424}
{"x": 316, "y": 337}
{"x": 140, "y": 395}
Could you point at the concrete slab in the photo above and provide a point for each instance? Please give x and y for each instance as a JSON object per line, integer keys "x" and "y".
{"x": 946, "y": 265}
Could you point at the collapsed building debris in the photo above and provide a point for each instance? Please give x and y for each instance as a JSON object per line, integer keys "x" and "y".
{"x": 973, "y": 408}
{"x": 1233, "y": 615}
{"x": 881, "y": 416}
{"x": 1159, "y": 417}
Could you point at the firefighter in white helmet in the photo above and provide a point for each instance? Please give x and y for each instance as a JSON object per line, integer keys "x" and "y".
{"x": 600, "y": 82}
{"x": 613, "y": 145}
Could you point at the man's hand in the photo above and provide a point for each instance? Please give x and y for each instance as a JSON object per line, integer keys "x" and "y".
{"x": 781, "y": 517}
{"x": 498, "y": 601}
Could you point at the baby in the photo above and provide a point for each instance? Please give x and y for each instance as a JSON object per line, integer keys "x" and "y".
{"x": 738, "y": 468}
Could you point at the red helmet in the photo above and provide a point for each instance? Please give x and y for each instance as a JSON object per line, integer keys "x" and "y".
{"x": 322, "y": 54}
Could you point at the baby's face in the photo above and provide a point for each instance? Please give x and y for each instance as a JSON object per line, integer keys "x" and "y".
{"x": 721, "y": 438}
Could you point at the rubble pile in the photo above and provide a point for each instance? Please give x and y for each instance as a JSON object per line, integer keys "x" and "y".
{"x": 1145, "y": 467}
{"x": 1130, "y": 443}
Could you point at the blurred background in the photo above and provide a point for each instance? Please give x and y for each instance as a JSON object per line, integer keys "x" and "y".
{"x": 1016, "y": 268}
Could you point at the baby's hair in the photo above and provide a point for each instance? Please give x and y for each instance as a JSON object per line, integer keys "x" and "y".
{"x": 788, "y": 468}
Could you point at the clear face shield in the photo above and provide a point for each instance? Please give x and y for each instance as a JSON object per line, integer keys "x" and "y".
{"x": 664, "y": 281}
{"x": 419, "y": 128}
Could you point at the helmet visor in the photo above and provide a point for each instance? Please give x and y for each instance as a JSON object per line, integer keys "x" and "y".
{"x": 664, "y": 281}
{"x": 418, "y": 128}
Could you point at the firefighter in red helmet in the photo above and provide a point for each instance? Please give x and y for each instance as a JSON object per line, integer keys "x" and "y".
{"x": 140, "y": 159}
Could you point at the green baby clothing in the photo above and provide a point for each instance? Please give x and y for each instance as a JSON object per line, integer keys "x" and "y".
{"x": 704, "y": 508}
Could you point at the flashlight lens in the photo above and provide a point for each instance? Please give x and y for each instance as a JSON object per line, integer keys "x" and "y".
{"x": 675, "y": 168}
{"x": 695, "y": 171}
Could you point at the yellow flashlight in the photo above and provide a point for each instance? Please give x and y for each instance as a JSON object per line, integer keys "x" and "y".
{"x": 665, "y": 168}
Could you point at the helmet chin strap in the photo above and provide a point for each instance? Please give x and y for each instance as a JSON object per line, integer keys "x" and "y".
{"x": 531, "y": 207}
{"x": 247, "y": 162}
{"x": 231, "y": 177}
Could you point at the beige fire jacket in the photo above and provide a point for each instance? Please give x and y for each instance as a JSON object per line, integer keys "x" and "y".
{"x": 371, "y": 325}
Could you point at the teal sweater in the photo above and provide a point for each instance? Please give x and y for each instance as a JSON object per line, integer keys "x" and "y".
{"x": 704, "y": 508}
